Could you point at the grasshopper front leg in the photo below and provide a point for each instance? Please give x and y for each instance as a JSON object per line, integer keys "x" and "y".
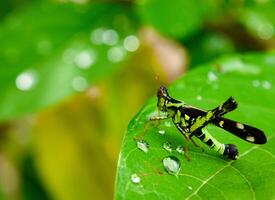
{"x": 151, "y": 119}
{"x": 160, "y": 117}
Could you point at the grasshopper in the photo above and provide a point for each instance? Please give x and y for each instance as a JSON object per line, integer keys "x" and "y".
{"x": 191, "y": 121}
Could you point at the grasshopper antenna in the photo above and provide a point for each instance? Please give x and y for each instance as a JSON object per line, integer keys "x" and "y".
{"x": 142, "y": 135}
{"x": 157, "y": 80}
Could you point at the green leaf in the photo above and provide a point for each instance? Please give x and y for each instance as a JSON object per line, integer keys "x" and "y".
{"x": 208, "y": 46}
{"x": 57, "y": 49}
{"x": 250, "y": 79}
{"x": 177, "y": 19}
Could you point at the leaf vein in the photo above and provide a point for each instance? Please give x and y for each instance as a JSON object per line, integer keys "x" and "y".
{"x": 217, "y": 172}
{"x": 268, "y": 152}
{"x": 246, "y": 180}
{"x": 188, "y": 175}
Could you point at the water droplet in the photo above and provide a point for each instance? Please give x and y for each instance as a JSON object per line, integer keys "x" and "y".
{"x": 212, "y": 76}
{"x": 26, "y": 80}
{"x": 135, "y": 178}
{"x": 167, "y": 123}
{"x": 79, "y": 83}
{"x": 180, "y": 149}
{"x": 110, "y": 37}
{"x": 143, "y": 145}
{"x": 167, "y": 146}
{"x": 266, "y": 85}
{"x": 85, "y": 59}
{"x": 131, "y": 43}
{"x": 171, "y": 164}
{"x": 256, "y": 83}
{"x": 190, "y": 188}
{"x": 116, "y": 54}
{"x": 199, "y": 97}
{"x": 162, "y": 132}
{"x": 97, "y": 36}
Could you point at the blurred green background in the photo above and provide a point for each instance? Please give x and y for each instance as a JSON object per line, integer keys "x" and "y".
{"x": 74, "y": 72}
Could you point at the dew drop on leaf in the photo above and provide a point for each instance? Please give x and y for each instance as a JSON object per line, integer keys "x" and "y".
{"x": 212, "y": 76}
{"x": 180, "y": 149}
{"x": 190, "y": 188}
{"x": 143, "y": 145}
{"x": 199, "y": 97}
{"x": 171, "y": 164}
{"x": 135, "y": 178}
{"x": 162, "y": 132}
{"x": 266, "y": 85}
{"x": 167, "y": 123}
{"x": 167, "y": 146}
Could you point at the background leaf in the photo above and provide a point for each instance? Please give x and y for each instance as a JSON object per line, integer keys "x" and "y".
{"x": 69, "y": 84}
{"x": 64, "y": 55}
{"x": 172, "y": 19}
{"x": 250, "y": 79}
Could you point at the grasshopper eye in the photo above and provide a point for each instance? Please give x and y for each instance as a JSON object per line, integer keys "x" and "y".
{"x": 162, "y": 92}
{"x": 159, "y": 93}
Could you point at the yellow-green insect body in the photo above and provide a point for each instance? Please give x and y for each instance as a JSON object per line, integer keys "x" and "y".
{"x": 192, "y": 121}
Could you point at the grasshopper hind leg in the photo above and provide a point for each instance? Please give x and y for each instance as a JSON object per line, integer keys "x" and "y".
{"x": 151, "y": 119}
{"x": 186, "y": 146}
{"x": 196, "y": 145}
{"x": 227, "y": 150}
{"x": 186, "y": 150}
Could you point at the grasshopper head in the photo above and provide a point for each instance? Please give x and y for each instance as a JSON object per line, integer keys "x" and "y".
{"x": 162, "y": 95}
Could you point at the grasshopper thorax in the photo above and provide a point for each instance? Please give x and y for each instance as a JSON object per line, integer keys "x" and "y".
{"x": 163, "y": 96}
